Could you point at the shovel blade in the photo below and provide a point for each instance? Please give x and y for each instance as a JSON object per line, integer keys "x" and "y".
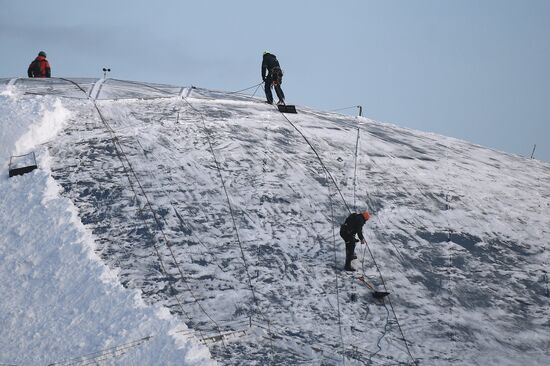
{"x": 287, "y": 108}
{"x": 380, "y": 294}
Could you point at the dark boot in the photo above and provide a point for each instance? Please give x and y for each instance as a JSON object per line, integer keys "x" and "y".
{"x": 349, "y": 268}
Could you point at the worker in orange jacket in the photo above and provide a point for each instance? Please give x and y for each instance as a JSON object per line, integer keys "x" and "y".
{"x": 351, "y": 227}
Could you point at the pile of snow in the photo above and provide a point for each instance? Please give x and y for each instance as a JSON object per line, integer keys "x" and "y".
{"x": 59, "y": 301}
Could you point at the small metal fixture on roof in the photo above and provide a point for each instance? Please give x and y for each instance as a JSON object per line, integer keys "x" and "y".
{"x": 105, "y": 71}
{"x": 533, "y": 152}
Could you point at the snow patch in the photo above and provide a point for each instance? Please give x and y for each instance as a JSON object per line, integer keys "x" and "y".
{"x": 9, "y": 91}
{"x": 59, "y": 300}
{"x": 49, "y": 126}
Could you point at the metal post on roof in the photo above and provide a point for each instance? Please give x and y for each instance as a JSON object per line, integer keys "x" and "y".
{"x": 360, "y": 110}
{"x": 105, "y": 71}
{"x": 533, "y": 152}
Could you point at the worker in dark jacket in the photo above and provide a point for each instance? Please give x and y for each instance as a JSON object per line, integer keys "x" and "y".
{"x": 40, "y": 67}
{"x": 272, "y": 75}
{"x": 351, "y": 227}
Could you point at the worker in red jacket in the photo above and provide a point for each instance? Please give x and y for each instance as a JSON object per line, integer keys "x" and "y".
{"x": 40, "y": 67}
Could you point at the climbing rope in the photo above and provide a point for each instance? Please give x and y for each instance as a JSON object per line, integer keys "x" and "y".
{"x": 384, "y": 223}
{"x": 450, "y": 257}
{"x": 211, "y": 148}
{"x": 320, "y": 161}
{"x": 355, "y": 170}
{"x": 182, "y": 223}
{"x": 255, "y": 90}
{"x": 366, "y": 247}
{"x": 342, "y": 109}
{"x": 229, "y": 202}
{"x": 245, "y": 89}
{"x": 103, "y": 355}
{"x": 336, "y": 276}
{"x": 115, "y": 141}
{"x": 326, "y": 172}
{"x": 123, "y": 157}
{"x": 390, "y": 302}
{"x": 382, "y": 335}
{"x": 121, "y": 154}
{"x": 372, "y": 256}
{"x": 218, "y": 168}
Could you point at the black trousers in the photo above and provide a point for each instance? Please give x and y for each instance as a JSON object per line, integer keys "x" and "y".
{"x": 278, "y": 90}
{"x": 350, "y": 247}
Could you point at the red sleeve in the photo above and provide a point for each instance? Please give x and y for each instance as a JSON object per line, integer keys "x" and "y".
{"x": 48, "y": 70}
{"x": 29, "y": 70}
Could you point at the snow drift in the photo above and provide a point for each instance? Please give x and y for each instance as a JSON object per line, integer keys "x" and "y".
{"x": 60, "y": 304}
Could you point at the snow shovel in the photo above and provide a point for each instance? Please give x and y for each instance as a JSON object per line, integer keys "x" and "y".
{"x": 376, "y": 294}
{"x": 283, "y": 108}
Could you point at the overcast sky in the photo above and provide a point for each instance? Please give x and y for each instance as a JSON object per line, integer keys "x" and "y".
{"x": 471, "y": 69}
